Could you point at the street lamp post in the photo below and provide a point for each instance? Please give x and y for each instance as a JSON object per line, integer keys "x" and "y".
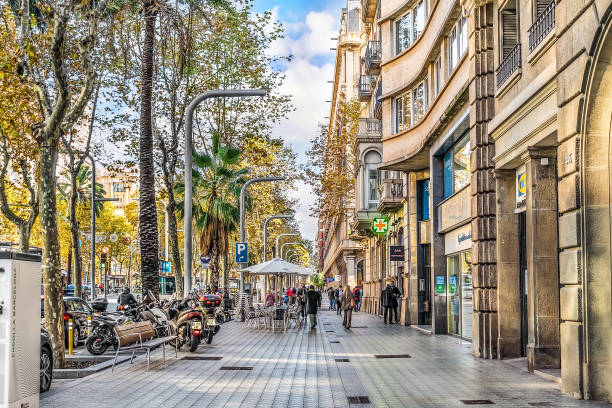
{"x": 288, "y": 234}
{"x": 295, "y": 251}
{"x": 286, "y": 244}
{"x": 233, "y": 93}
{"x": 265, "y": 245}
{"x": 243, "y": 191}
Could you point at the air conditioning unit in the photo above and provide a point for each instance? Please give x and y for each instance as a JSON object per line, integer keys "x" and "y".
{"x": 20, "y": 278}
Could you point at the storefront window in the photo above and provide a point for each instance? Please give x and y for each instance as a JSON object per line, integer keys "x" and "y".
{"x": 457, "y": 167}
{"x": 459, "y": 292}
{"x": 423, "y": 199}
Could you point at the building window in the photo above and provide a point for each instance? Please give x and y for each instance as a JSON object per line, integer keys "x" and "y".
{"x": 419, "y": 98}
{"x": 457, "y": 167}
{"x": 423, "y": 200}
{"x": 436, "y": 76}
{"x": 457, "y": 43}
{"x": 409, "y": 27}
{"x": 118, "y": 187}
{"x": 508, "y": 28}
{"x": 372, "y": 179}
{"x": 402, "y": 107}
{"x": 402, "y": 32}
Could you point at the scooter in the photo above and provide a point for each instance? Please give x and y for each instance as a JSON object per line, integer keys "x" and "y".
{"x": 188, "y": 320}
{"x": 209, "y": 303}
{"x": 103, "y": 332}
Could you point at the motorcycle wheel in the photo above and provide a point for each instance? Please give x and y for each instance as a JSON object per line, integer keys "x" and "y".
{"x": 209, "y": 337}
{"x": 195, "y": 342}
{"x": 96, "y": 345}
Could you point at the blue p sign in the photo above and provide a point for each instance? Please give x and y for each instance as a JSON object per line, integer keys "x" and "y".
{"x": 242, "y": 252}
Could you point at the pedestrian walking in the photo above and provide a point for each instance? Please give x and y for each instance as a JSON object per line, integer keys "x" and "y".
{"x": 313, "y": 302}
{"x": 270, "y": 299}
{"x": 331, "y": 295}
{"x": 290, "y": 296}
{"x": 348, "y": 303}
{"x": 357, "y": 298}
{"x": 388, "y": 299}
{"x": 337, "y": 295}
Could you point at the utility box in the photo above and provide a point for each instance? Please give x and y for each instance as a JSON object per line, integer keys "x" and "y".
{"x": 20, "y": 286}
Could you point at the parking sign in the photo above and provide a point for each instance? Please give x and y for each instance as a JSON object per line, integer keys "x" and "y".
{"x": 242, "y": 252}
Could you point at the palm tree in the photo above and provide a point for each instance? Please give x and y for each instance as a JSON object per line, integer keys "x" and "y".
{"x": 78, "y": 191}
{"x": 217, "y": 182}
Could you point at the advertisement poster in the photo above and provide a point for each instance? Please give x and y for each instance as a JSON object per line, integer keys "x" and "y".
{"x": 440, "y": 289}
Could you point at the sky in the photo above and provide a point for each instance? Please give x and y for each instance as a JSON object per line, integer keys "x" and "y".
{"x": 309, "y": 26}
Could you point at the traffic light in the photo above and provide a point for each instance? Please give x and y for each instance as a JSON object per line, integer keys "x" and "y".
{"x": 102, "y": 261}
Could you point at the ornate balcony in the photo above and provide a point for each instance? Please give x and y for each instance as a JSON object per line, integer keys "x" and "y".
{"x": 543, "y": 25}
{"x": 373, "y": 57}
{"x": 391, "y": 194}
{"x": 365, "y": 87}
{"x": 369, "y": 10}
{"x": 509, "y": 65}
{"x": 370, "y": 130}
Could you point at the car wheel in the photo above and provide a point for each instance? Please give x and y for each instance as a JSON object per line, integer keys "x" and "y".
{"x": 46, "y": 369}
{"x": 75, "y": 337}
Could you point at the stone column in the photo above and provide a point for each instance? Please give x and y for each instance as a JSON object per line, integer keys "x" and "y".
{"x": 412, "y": 269}
{"x": 543, "y": 350}
{"x": 482, "y": 106}
{"x": 508, "y": 273}
{"x": 438, "y": 258}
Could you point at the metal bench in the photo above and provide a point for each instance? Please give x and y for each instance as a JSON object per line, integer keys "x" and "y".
{"x": 140, "y": 336}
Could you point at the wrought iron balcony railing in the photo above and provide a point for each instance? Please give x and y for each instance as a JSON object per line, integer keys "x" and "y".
{"x": 378, "y": 101}
{"x": 509, "y": 65}
{"x": 544, "y": 24}
{"x": 373, "y": 56}
{"x": 365, "y": 86}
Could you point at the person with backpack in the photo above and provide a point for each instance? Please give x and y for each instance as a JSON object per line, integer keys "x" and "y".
{"x": 357, "y": 298}
{"x": 331, "y": 295}
{"x": 338, "y": 296}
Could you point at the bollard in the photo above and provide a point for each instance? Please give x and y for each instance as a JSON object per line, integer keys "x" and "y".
{"x": 70, "y": 336}
{"x": 88, "y": 325}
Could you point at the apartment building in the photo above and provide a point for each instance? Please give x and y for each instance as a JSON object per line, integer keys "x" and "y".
{"x": 120, "y": 186}
{"x": 485, "y": 143}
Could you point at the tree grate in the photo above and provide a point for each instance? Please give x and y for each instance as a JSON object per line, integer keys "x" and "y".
{"x": 334, "y": 342}
{"x": 342, "y": 360}
{"x": 361, "y": 399}
{"x": 359, "y": 327}
{"x": 329, "y": 331}
{"x": 540, "y": 404}
{"x": 234, "y": 368}
{"x": 201, "y": 358}
{"x": 392, "y": 356}
{"x": 477, "y": 402}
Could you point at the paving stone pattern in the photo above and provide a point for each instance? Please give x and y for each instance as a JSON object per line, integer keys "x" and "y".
{"x": 299, "y": 369}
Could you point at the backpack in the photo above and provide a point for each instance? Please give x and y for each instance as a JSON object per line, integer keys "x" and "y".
{"x": 356, "y": 295}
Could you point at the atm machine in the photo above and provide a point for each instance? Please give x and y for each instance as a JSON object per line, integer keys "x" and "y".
{"x": 20, "y": 286}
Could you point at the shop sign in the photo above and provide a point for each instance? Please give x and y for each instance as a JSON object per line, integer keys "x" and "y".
{"x": 380, "y": 225}
{"x": 338, "y": 278}
{"x": 458, "y": 240}
{"x": 330, "y": 280}
{"x": 521, "y": 186}
{"x": 440, "y": 289}
{"x": 397, "y": 253}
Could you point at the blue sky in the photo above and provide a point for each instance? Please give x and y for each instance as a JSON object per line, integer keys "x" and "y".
{"x": 309, "y": 27}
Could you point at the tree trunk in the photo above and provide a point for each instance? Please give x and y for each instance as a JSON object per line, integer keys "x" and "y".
{"x": 69, "y": 266}
{"x": 214, "y": 265}
{"x": 74, "y": 232}
{"x": 24, "y": 237}
{"x": 174, "y": 245}
{"x": 149, "y": 242}
{"x": 226, "y": 269}
{"x": 52, "y": 275}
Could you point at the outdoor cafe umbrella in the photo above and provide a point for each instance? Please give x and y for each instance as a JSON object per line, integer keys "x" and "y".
{"x": 278, "y": 266}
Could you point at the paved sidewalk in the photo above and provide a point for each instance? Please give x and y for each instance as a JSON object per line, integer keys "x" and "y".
{"x": 300, "y": 368}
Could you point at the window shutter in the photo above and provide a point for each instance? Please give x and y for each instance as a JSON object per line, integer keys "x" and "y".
{"x": 541, "y": 6}
{"x": 510, "y": 31}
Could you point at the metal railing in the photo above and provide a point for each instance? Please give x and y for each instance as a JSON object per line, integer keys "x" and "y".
{"x": 543, "y": 25}
{"x": 373, "y": 56}
{"x": 378, "y": 102}
{"x": 509, "y": 65}
{"x": 365, "y": 86}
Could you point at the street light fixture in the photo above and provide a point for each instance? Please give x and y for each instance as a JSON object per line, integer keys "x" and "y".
{"x": 289, "y": 243}
{"x": 288, "y": 234}
{"x": 295, "y": 251}
{"x": 273, "y": 217}
{"x": 233, "y": 93}
{"x": 243, "y": 191}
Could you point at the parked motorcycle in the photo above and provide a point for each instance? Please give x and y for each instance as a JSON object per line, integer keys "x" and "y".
{"x": 103, "y": 332}
{"x": 209, "y": 304}
{"x": 188, "y": 320}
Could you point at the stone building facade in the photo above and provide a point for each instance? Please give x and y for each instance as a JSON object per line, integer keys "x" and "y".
{"x": 495, "y": 120}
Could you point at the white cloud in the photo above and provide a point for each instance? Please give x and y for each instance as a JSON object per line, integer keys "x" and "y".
{"x": 309, "y": 42}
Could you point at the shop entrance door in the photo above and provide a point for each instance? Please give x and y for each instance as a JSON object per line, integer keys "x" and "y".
{"x": 424, "y": 273}
{"x": 523, "y": 280}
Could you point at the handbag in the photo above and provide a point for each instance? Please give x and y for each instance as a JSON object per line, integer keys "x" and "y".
{"x": 352, "y": 302}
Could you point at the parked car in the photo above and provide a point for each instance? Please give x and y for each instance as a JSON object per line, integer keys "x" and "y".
{"x": 76, "y": 309}
{"x": 46, "y": 360}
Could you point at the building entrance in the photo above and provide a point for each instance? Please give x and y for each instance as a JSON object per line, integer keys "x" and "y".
{"x": 424, "y": 274}
{"x": 523, "y": 281}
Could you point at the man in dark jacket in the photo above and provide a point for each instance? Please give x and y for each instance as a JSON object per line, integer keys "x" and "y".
{"x": 126, "y": 298}
{"x": 388, "y": 299}
{"x": 313, "y": 302}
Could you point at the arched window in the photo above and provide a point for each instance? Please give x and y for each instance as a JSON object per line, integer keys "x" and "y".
{"x": 372, "y": 179}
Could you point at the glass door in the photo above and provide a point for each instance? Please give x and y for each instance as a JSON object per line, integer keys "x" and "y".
{"x": 467, "y": 306}
{"x": 453, "y": 300}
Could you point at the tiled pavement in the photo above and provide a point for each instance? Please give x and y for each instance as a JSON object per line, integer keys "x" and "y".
{"x": 299, "y": 368}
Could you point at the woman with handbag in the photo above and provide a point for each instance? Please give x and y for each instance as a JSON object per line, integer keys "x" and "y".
{"x": 348, "y": 303}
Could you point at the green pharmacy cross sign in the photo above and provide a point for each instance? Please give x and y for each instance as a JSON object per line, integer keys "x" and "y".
{"x": 380, "y": 225}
